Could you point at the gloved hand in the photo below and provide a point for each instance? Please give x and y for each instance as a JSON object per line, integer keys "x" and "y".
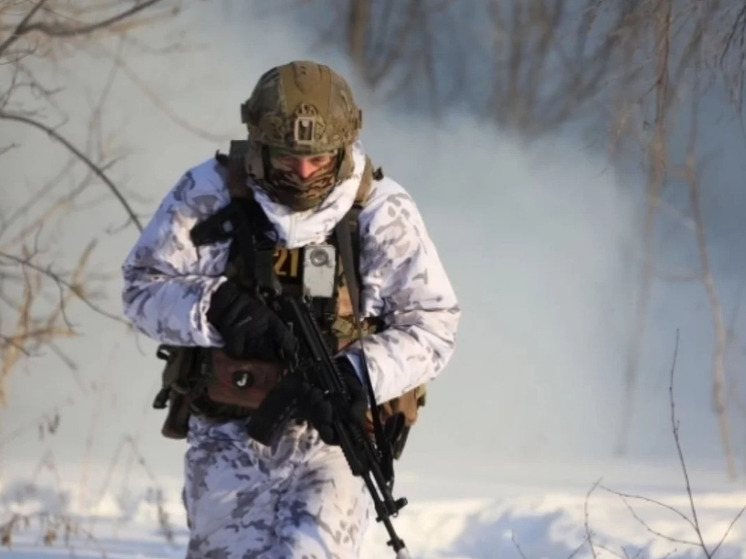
{"x": 315, "y": 408}
{"x": 249, "y": 328}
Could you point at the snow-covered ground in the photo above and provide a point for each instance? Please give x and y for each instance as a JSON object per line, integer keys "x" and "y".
{"x": 551, "y": 332}
{"x": 472, "y": 519}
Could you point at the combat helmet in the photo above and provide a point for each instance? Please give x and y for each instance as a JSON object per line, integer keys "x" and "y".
{"x": 300, "y": 108}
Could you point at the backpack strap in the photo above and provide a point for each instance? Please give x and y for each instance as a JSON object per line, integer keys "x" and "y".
{"x": 361, "y": 198}
{"x": 344, "y": 241}
{"x": 347, "y": 235}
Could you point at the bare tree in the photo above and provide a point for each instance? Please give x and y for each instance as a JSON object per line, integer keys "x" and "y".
{"x": 36, "y": 288}
{"x": 687, "y": 40}
{"x": 534, "y": 65}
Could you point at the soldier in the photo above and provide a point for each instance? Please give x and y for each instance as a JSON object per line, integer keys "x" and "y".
{"x": 305, "y": 170}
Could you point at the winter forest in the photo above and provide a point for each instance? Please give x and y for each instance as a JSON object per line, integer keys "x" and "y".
{"x": 579, "y": 165}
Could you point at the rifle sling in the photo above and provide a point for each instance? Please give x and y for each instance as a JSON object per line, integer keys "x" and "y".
{"x": 344, "y": 241}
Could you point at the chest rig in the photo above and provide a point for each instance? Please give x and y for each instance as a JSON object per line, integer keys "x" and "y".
{"x": 188, "y": 377}
{"x": 294, "y": 268}
{"x": 259, "y": 264}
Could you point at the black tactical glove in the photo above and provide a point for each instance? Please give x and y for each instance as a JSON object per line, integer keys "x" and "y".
{"x": 315, "y": 408}
{"x": 248, "y": 327}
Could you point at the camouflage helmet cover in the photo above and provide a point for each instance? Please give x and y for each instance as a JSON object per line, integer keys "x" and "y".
{"x": 302, "y": 107}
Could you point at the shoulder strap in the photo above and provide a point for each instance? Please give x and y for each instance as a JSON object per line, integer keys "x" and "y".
{"x": 344, "y": 241}
{"x": 218, "y": 227}
{"x": 348, "y": 240}
{"x": 237, "y": 170}
{"x": 361, "y": 198}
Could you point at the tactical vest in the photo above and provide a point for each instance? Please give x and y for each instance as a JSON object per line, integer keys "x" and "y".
{"x": 189, "y": 375}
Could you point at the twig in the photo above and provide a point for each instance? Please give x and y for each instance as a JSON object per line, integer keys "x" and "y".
{"x": 627, "y": 556}
{"x": 694, "y": 520}
{"x": 675, "y": 427}
{"x": 60, "y": 281}
{"x": 515, "y": 543}
{"x": 727, "y": 531}
{"x": 588, "y": 532}
{"x": 56, "y": 29}
{"x": 645, "y": 525}
{"x": 609, "y": 550}
{"x": 578, "y": 548}
{"x": 95, "y": 168}
{"x": 21, "y": 27}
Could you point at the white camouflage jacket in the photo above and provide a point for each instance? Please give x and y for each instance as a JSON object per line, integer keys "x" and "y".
{"x": 168, "y": 281}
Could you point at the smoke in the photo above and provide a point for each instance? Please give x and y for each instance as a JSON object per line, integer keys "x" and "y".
{"x": 534, "y": 238}
{"x": 537, "y": 239}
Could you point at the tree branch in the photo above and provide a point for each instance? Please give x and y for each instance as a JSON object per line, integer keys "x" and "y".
{"x": 61, "y": 281}
{"x": 80, "y": 155}
{"x": 56, "y": 29}
{"x": 21, "y": 28}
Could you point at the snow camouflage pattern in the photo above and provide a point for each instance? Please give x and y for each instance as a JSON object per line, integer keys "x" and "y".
{"x": 168, "y": 283}
{"x": 247, "y": 501}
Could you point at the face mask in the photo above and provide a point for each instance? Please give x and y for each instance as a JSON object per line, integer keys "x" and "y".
{"x": 289, "y": 189}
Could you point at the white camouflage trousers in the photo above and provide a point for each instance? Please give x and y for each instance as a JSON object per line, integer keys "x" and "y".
{"x": 295, "y": 500}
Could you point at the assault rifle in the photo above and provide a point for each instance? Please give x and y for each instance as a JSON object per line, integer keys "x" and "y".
{"x": 314, "y": 364}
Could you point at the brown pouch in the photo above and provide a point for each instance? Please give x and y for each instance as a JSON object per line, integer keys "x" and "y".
{"x": 240, "y": 382}
{"x": 398, "y": 415}
{"x": 407, "y": 404}
{"x": 179, "y": 372}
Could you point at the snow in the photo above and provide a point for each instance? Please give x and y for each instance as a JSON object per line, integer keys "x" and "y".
{"x": 552, "y": 348}
{"x": 510, "y": 520}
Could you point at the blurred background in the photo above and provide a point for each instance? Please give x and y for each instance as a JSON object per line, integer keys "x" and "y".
{"x": 580, "y": 166}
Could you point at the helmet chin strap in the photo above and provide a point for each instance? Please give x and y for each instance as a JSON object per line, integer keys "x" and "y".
{"x": 345, "y": 165}
{"x": 266, "y": 164}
